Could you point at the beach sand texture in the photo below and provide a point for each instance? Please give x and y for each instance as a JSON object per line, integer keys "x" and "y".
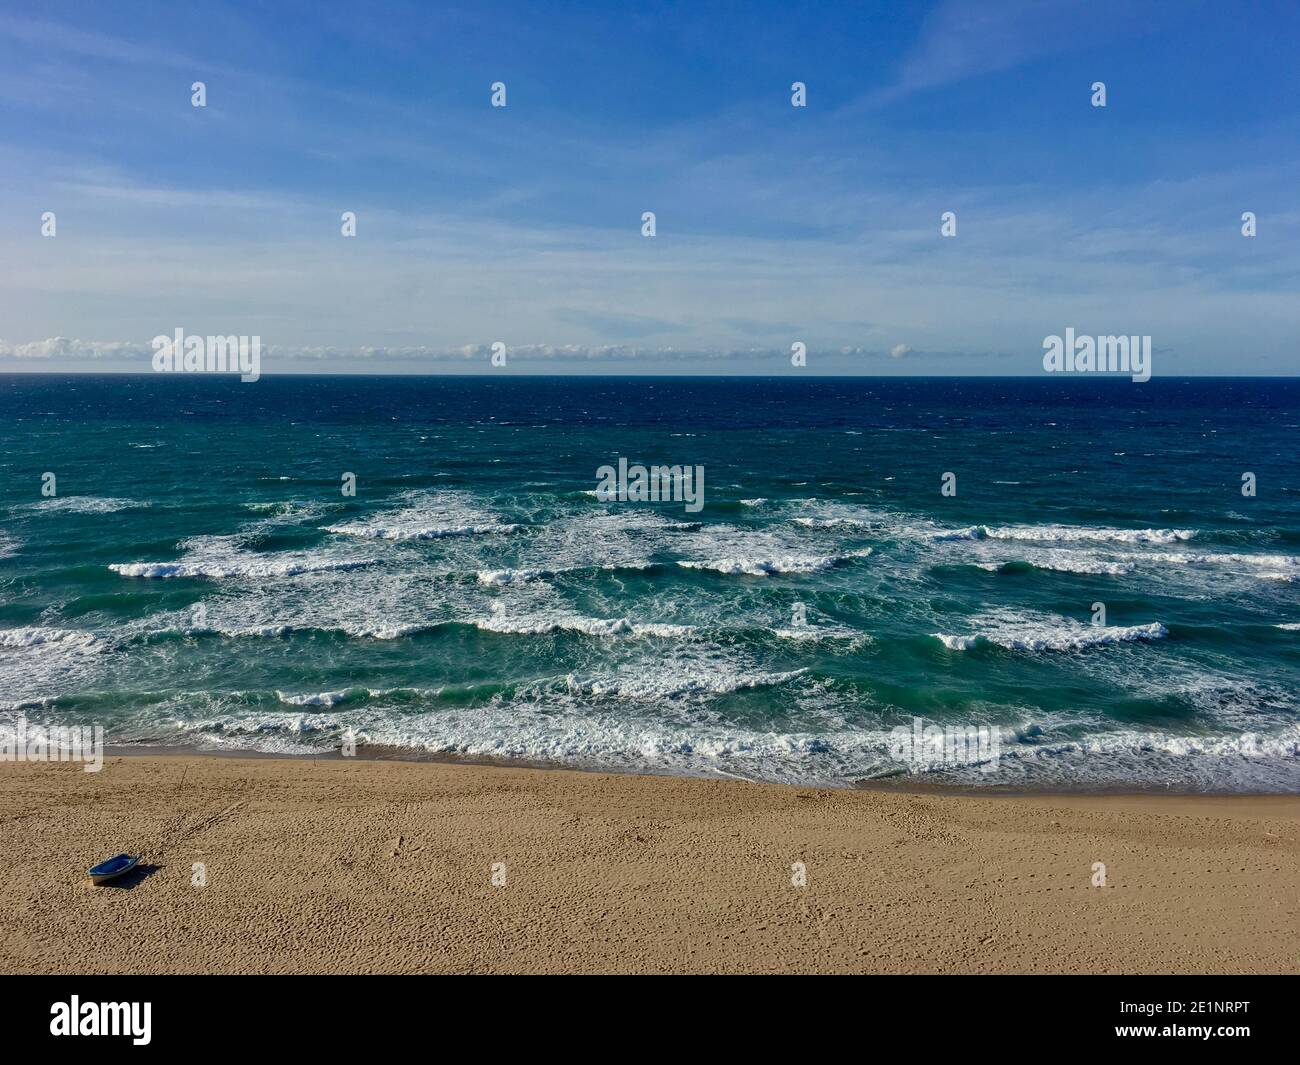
{"x": 341, "y": 866}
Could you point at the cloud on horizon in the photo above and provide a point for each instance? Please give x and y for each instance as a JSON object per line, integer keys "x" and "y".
{"x": 136, "y": 356}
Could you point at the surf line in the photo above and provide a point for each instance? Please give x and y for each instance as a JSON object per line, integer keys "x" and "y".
{"x": 653, "y": 484}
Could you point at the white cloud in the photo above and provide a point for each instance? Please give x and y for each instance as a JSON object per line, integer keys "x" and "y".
{"x": 69, "y": 348}
{"x": 963, "y": 39}
{"x": 137, "y": 356}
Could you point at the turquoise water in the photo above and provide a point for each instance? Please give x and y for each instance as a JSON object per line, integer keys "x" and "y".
{"x": 199, "y": 578}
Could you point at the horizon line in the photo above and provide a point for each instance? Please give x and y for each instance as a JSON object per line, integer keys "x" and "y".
{"x": 1082, "y": 375}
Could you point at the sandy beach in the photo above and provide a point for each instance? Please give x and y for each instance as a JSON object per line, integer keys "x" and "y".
{"x": 381, "y": 866}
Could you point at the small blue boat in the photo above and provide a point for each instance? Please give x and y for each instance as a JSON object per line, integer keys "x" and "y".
{"x": 113, "y": 867}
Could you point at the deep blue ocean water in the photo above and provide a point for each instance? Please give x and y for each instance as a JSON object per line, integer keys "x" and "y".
{"x": 200, "y": 579}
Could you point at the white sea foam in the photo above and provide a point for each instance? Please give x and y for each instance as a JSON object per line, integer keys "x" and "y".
{"x": 852, "y": 639}
{"x": 512, "y": 576}
{"x": 1044, "y": 632}
{"x": 539, "y": 625}
{"x": 836, "y": 523}
{"x": 822, "y": 514}
{"x": 1242, "y": 566}
{"x": 1252, "y": 761}
{"x": 1072, "y": 534}
{"x": 1048, "y": 533}
{"x": 653, "y": 721}
{"x": 956, "y": 643}
{"x": 85, "y": 504}
{"x": 315, "y": 698}
{"x": 520, "y": 730}
{"x": 289, "y": 509}
{"x": 376, "y": 631}
{"x": 428, "y": 516}
{"x": 39, "y": 636}
{"x": 420, "y": 532}
{"x": 987, "y": 550}
{"x": 518, "y": 576}
{"x": 645, "y": 722}
{"x": 625, "y": 520}
{"x": 231, "y": 632}
{"x": 663, "y": 630}
{"x": 760, "y": 567}
{"x": 620, "y": 540}
{"x": 1083, "y": 562}
{"x": 971, "y": 532}
{"x": 640, "y": 684}
{"x": 228, "y": 557}
{"x": 523, "y": 731}
{"x": 521, "y": 620}
{"x": 343, "y": 696}
{"x": 252, "y": 567}
{"x": 658, "y": 695}
{"x": 766, "y": 567}
{"x": 1246, "y": 745}
{"x": 1222, "y": 558}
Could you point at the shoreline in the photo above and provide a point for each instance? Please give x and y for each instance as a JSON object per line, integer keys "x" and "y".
{"x": 380, "y": 865}
{"x": 899, "y": 782}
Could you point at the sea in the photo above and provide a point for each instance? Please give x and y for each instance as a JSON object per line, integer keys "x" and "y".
{"x": 1100, "y": 577}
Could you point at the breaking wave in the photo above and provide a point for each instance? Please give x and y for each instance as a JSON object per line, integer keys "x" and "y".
{"x": 1045, "y": 633}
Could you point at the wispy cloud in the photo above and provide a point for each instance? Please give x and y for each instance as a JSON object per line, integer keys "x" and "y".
{"x": 963, "y": 39}
{"x": 521, "y": 225}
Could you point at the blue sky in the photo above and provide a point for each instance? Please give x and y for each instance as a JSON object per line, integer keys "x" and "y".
{"x": 775, "y": 224}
